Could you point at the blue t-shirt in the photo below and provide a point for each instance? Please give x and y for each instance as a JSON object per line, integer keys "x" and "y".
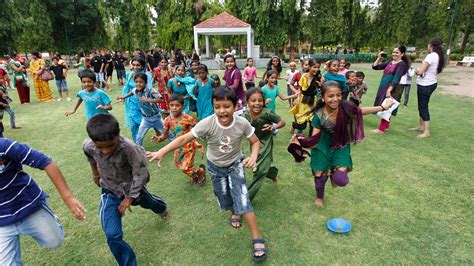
{"x": 92, "y": 100}
{"x": 271, "y": 94}
{"x": 204, "y": 98}
{"x": 20, "y": 196}
{"x": 147, "y": 109}
{"x": 181, "y": 89}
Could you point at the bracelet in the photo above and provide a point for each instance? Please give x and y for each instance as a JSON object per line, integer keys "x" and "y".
{"x": 383, "y": 109}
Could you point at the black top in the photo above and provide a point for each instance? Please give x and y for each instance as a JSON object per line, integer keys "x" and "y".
{"x": 119, "y": 62}
{"x": 108, "y": 60}
{"x": 97, "y": 62}
{"x": 157, "y": 57}
{"x": 58, "y": 71}
{"x": 150, "y": 60}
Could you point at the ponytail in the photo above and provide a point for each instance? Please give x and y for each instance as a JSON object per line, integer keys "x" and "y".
{"x": 437, "y": 47}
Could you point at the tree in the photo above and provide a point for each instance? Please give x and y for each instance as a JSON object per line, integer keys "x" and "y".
{"x": 37, "y": 28}
{"x": 321, "y": 25}
{"x": 10, "y": 26}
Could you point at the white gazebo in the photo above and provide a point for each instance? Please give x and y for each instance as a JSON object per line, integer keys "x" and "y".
{"x": 223, "y": 24}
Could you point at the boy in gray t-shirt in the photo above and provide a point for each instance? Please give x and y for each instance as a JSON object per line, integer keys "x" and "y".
{"x": 224, "y": 132}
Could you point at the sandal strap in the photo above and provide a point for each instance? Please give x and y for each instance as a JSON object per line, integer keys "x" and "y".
{"x": 258, "y": 241}
{"x": 259, "y": 249}
{"x": 235, "y": 220}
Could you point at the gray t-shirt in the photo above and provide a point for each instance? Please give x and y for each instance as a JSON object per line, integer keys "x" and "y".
{"x": 223, "y": 143}
{"x": 124, "y": 172}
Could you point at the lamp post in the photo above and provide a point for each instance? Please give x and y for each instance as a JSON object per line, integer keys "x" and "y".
{"x": 452, "y": 8}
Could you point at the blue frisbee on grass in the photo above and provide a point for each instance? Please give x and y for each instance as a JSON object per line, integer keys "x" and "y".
{"x": 339, "y": 226}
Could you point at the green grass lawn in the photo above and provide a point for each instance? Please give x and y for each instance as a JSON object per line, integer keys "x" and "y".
{"x": 409, "y": 200}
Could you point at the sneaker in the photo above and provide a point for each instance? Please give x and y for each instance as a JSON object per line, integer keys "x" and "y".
{"x": 69, "y": 99}
{"x": 60, "y": 99}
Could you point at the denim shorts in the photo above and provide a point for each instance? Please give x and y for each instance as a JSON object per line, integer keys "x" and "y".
{"x": 62, "y": 85}
{"x": 120, "y": 74}
{"x": 229, "y": 186}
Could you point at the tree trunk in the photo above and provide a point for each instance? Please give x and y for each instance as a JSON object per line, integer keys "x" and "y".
{"x": 465, "y": 39}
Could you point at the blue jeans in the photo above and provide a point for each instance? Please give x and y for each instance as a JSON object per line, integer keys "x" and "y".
{"x": 42, "y": 225}
{"x": 154, "y": 122}
{"x": 229, "y": 187}
{"x": 62, "y": 85}
{"x": 111, "y": 222}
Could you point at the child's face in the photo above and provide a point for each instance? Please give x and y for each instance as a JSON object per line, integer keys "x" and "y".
{"x": 272, "y": 79}
{"x": 163, "y": 63}
{"x": 314, "y": 69}
{"x": 194, "y": 66}
{"x": 202, "y": 74}
{"x": 342, "y": 64}
{"x": 332, "y": 97}
{"x": 334, "y": 67}
{"x": 136, "y": 66}
{"x": 305, "y": 65}
{"x": 250, "y": 63}
{"x": 275, "y": 62}
{"x": 256, "y": 103}
{"x": 352, "y": 79}
{"x": 229, "y": 63}
{"x": 140, "y": 84}
{"x": 360, "y": 79}
{"x": 87, "y": 83}
{"x": 176, "y": 108}
{"x": 55, "y": 61}
{"x": 224, "y": 110}
{"x": 216, "y": 83}
{"x": 180, "y": 71}
{"x": 172, "y": 62}
{"x": 292, "y": 67}
{"x": 107, "y": 147}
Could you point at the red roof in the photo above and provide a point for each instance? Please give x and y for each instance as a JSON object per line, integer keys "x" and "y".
{"x": 223, "y": 20}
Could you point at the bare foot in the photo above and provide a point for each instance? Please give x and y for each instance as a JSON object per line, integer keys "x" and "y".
{"x": 319, "y": 203}
{"x": 275, "y": 181}
{"x": 378, "y": 131}
{"x": 415, "y": 129}
{"x": 424, "y": 135}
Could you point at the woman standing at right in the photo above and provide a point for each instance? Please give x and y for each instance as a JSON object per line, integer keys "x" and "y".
{"x": 393, "y": 71}
{"x": 427, "y": 82}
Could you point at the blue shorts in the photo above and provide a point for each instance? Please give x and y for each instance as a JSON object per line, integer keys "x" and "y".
{"x": 229, "y": 186}
{"x": 62, "y": 85}
{"x": 120, "y": 74}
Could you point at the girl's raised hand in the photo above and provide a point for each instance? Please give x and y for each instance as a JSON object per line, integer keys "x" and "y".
{"x": 158, "y": 156}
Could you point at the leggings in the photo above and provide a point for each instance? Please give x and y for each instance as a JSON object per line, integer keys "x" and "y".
{"x": 424, "y": 94}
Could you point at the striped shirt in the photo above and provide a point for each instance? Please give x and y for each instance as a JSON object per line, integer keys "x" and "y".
{"x": 20, "y": 196}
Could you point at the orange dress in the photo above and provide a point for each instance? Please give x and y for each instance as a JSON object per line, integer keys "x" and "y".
{"x": 42, "y": 89}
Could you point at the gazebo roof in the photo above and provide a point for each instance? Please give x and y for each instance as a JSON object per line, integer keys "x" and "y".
{"x": 223, "y": 20}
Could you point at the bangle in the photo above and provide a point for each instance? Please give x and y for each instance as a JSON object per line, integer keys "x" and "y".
{"x": 383, "y": 109}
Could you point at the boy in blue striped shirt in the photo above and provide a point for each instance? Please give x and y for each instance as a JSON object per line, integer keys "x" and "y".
{"x": 23, "y": 207}
{"x": 148, "y": 100}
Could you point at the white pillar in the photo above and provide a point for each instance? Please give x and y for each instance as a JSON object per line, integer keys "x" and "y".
{"x": 196, "y": 41}
{"x": 207, "y": 46}
{"x": 249, "y": 42}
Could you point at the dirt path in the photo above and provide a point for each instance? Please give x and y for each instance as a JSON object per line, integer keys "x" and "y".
{"x": 457, "y": 80}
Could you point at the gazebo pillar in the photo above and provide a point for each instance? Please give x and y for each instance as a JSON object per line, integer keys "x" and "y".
{"x": 196, "y": 41}
{"x": 207, "y": 46}
{"x": 249, "y": 42}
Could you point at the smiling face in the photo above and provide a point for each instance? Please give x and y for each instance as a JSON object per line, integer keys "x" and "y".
{"x": 305, "y": 66}
{"x": 314, "y": 69}
{"x": 224, "y": 110}
{"x": 163, "y": 63}
{"x": 272, "y": 79}
{"x": 176, "y": 108}
{"x": 351, "y": 79}
{"x": 332, "y": 97}
{"x": 342, "y": 64}
{"x": 334, "y": 67}
{"x": 136, "y": 66}
{"x": 360, "y": 79}
{"x": 107, "y": 147}
{"x": 256, "y": 103}
{"x": 194, "y": 66}
{"x": 229, "y": 62}
{"x": 293, "y": 67}
{"x": 275, "y": 61}
{"x": 180, "y": 71}
{"x": 140, "y": 84}
{"x": 396, "y": 54}
{"x": 87, "y": 83}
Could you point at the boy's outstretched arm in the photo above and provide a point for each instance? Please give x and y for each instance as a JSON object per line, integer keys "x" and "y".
{"x": 79, "y": 101}
{"x": 178, "y": 142}
{"x": 251, "y": 161}
{"x": 74, "y": 205}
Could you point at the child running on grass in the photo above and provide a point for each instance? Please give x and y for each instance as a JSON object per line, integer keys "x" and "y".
{"x": 265, "y": 122}
{"x": 96, "y": 100}
{"x": 24, "y": 210}
{"x": 203, "y": 91}
{"x": 8, "y": 100}
{"x": 224, "y": 132}
{"x": 250, "y": 74}
{"x": 148, "y": 100}
{"x": 119, "y": 168}
{"x": 176, "y": 125}
{"x": 337, "y": 124}
{"x": 360, "y": 90}
{"x": 271, "y": 91}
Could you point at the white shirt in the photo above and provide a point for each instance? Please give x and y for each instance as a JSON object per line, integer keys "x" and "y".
{"x": 430, "y": 76}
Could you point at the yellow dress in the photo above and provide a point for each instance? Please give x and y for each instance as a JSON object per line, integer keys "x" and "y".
{"x": 42, "y": 90}
{"x": 301, "y": 110}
